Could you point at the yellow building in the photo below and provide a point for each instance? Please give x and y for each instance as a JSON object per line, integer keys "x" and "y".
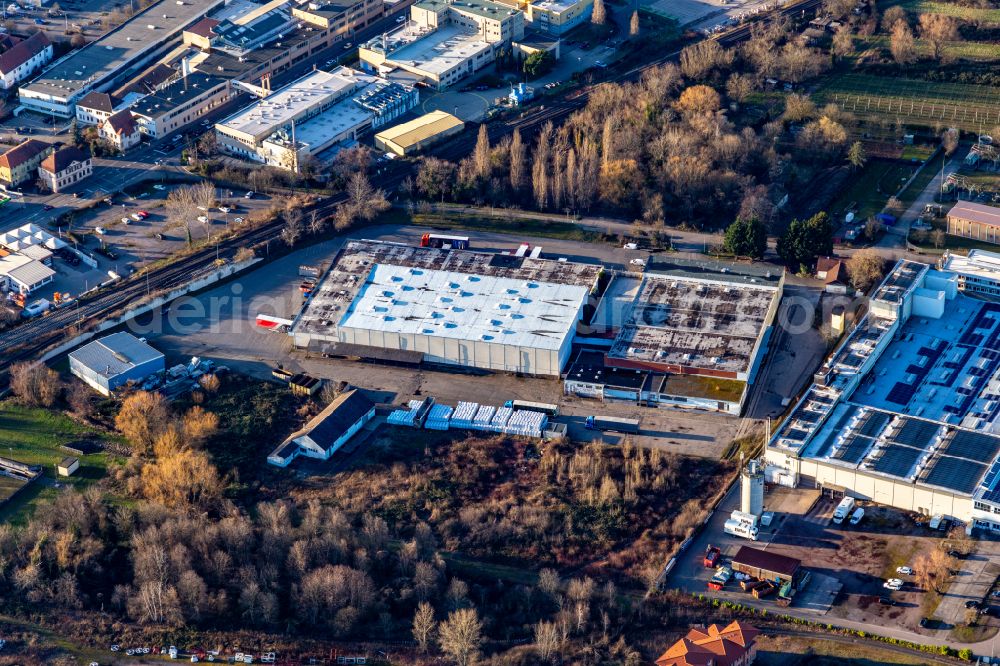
{"x": 417, "y": 134}
{"x": 20, "y": 163}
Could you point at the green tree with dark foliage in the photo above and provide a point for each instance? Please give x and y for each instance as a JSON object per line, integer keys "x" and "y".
{"x": 537, "y": 64}
{"x": 805, "y": 240}
{"x": 746, "y": 238}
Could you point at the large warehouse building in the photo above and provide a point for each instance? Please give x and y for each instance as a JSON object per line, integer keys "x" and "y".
{"x": 489, "y": 311}
{"x": 906, "y": 410}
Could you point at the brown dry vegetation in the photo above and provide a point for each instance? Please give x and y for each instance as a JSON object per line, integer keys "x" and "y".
{"x": 508, "y": 500}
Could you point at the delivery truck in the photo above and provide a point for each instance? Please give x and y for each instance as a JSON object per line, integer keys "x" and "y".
{"x": 612, "y": 423}
{"x": 736, "y": 528}
{"x": 843, "y": 510}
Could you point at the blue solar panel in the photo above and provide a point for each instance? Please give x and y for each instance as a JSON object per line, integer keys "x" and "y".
{"x": 973, "y": 445}
{"x": 873, "y": 424}
{"x": 897, "y": 460}
{"x": 853, "y": 449}
{"x": 918, "y": 434}
{"x": 954, "y": 473}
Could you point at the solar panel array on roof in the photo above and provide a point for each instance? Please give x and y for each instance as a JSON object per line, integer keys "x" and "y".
{"x": 955, "y": 474}
{"x": 897, "y": 460}
{"x": 915, "y": 433}
{"x": 873, "y": 423}
{"x": 853, "y": 449}
{"x": 973, "y": 445}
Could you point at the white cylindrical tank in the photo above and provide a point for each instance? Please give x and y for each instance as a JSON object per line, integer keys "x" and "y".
{"x": 752, "y": 490}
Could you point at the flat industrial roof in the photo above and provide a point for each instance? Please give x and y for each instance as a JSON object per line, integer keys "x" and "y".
{"x": 976, "y": 212}
{"x": 315, "y": 89}
{"x": 118, "y": 48}
{"x": 353, "y": 276}
{"x": 440, "y": 51}
{"x": 177, "y": 93}
{"x": 420, "y": 129}
{"x": 694, "y": 323}
{"x": 24, "y": 269}
{"x": 462, "y": 306}
{"x": 114, "y": 354}
{"x": 980, "y": 263}
{"x": 483, "y": 8}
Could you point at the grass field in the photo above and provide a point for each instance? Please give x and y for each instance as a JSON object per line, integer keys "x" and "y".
{"x": 974, "y": 14}
{"x": 501, "y": 223}
{"x": 33, "y": 436}
{"x": 793, "y": 650}
{"x": 872, "y": 187}
{"x": 914, "y": 102}
{"x": 973, "y": 51}
{"x": 8, "y": 486}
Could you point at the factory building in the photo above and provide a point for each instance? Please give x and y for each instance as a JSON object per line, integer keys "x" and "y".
{"x": 978, "y": 273}
{"x": 419, "y": 133}
{"x": 115, "y": 360}
{"x": 444, "y": 42}
{"x": 905, "y": 410}
{"x": 697, "y": 331}
{"x": 181, "y": 102}
{"x": 312, "y": 114}
{"x": 118, "y": 54}
{"x": 974, "y": 220}
{"x": 493, "y": 312}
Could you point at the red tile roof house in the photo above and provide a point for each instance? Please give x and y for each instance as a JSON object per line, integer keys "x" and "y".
{"x": 733, "y": 645}
{"x": 120, "y": 130}
{"x": 23, "y": 58}
{"x": 833, "y": 273}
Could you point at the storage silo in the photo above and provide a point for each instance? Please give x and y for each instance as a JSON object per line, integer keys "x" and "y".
{"x": 752, "y": 490}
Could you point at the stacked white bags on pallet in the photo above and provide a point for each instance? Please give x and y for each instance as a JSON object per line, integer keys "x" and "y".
{"x": 500, "y": 419}
{"x": 483, "y": 418}
{"x": 437, "y": 418}
{"x": 463, "y": 415}
{"x": 526, "y": 423}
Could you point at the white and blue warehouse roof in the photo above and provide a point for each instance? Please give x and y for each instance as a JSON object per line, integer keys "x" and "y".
{"x": 115, "y": 354}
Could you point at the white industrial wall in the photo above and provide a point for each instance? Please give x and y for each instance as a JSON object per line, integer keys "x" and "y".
{"x": 882, "y": 490}
{"x": 470, "y": 353}
{"x": 928, "y": 303}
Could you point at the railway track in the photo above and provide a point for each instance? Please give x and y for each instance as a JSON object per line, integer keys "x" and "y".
{"x": 31, "y": 338}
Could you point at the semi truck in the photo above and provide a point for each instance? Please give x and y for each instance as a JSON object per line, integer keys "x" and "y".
{"x": 843, "y": 510}
{"x": 736, "y": 528}
{"x": 528, "y": 406}
{"x": 445, "y": 241}
{"x": 612, "y": 423}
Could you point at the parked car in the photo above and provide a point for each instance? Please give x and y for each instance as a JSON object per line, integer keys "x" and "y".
{"x": 203, "y": 219}
{"x": 905, "y": 571}
{"x": 972, "y": 604}
{"x": 886, "y": 601}
{"x": 893, "y": 584}
{"x": 143, "y": 214}
{"x": 249, "y": 195}
{"x": 47, "y": 207}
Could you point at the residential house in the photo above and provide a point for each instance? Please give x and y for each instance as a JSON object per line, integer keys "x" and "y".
{"x": 120, "y": 130}
{"x": 20, "y": 163}
{"x": 96, "y": 107}
{"x": 833, "y": 273}
{"x": 330, "y": 430}
{"x": 65, "y": 167}
{"x": 23, "y": 58}
{"x": 732, "y": 645}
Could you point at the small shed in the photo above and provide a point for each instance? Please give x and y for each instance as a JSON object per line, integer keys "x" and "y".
{"x": 68, "y": 465}
{"x": 766, "y": 565}
{"x": 301, "y": 384}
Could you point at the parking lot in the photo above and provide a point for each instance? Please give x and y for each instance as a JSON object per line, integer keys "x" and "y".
{"x": 849, "y": 565}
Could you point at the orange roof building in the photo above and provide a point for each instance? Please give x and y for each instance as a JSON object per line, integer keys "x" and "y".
{"x": 733, "y": 645}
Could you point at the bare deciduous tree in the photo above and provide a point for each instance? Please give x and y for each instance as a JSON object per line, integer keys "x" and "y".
{"x": 424, "y": 625}
{"x": 35, "y": 384}
{"x": 461, "y": 635}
